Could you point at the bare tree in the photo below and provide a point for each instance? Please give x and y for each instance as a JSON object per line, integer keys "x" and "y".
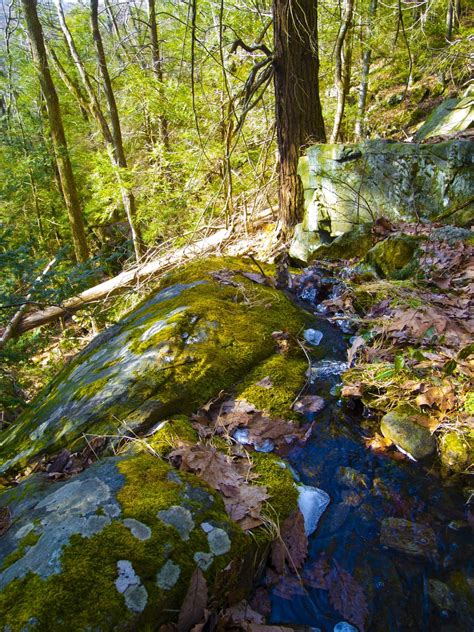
{"x": 61, "y": 153}
{"x": 342, "y": 67}
{"x": 157, "y": 67}
{"x": 364, "y": 78}
{"x": 118, "y": 151}
{"x": 114, "y": 149}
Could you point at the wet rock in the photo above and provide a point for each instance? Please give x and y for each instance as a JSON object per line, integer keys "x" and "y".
{"x": 343, "y": 626}
{"x": 313, "y": 336}
{"x": 312, "y": 503}
{"x": 408, "y": 537}
{"x": 441, "y": 595}
{"x": 401, "y": 428}
{"x": 392, "y": 256}
{"x": 349, "y": 477}
{"x": 457, "y": 451}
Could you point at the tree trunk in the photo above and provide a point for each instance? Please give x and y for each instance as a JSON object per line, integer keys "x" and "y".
{"x": 299, "y": 119}
{"x": 340, "y": 81}
{"x": 118, "y": 151}
{"x": 158, "y": 67}
{"x": 66, "y": 176}
{"x": 364, "y": 79}
{"x": 450, "y": 20}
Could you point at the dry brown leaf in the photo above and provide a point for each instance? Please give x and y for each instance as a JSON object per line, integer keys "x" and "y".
{"x": 309, "y": 404}
{"x": 442, "y": 396}
{"x": 357, "y": 344}
{"x": 229, "y": 476}
{"x": 258, "y": 278}
{"x": 194, "y": 604}
{"x": 266, "y": 382}
{"x": 292, "y": 546}
{"x": 378, "y": 443}
{"x": 352, "y": 390}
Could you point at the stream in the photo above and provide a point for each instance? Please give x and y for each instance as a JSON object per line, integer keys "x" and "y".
{"x": 408, "y": 574}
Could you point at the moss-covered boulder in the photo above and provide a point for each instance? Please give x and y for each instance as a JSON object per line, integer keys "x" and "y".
{"x": 355, "y": 243}
{"x": 393, "y": 257}
{"x": 401, "y": 427}
{"x": 457, "y": 451}
{"x": 114, "y": 547}
{"x": 201, "y": 332}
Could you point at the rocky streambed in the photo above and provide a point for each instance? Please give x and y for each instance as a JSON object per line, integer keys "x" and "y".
{"x": 195, "y": 465}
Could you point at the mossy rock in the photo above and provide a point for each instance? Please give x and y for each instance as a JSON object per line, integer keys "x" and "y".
{"x": 401, "y": 427}
{"x": 354, "y": 243}
{"x": 114, "y": 548}
{"x": 394, "y": 257}
{"x": 456, "y": 451}
{"x": 172, "y": 353}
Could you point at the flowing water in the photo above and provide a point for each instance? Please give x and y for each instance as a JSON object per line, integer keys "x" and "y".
{"x": 409, "y": 580}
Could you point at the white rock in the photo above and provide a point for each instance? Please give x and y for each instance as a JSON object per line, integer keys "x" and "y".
{"x": 313, "y": 336}
{"x": 312, "y": 503}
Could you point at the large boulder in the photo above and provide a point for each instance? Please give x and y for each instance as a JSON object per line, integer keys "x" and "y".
{"x": 451, "y": 116}
{"x": 346, "y": 185}
{"x": 112, "y": 542}
{"x": 114, "y": 548}
{"x": 177, "y": 349}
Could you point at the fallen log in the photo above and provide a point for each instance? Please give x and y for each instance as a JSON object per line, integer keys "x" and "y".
{"x": 121, "y": 281}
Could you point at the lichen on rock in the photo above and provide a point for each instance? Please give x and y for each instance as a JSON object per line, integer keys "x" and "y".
{"x": 180, "y": 347}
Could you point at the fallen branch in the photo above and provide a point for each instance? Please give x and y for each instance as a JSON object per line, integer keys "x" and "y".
{"x": 128, "y": 278}
{"x": 14, "y": 324}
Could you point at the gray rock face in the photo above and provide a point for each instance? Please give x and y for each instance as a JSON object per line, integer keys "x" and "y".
{"x": 400, "y": 427}
{"x": 451, "y": 116}
{"x": 347, "y": 185}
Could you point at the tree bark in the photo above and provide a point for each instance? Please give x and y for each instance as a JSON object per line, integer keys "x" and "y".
{"x": 341, "y": 70}
{"x": 66, "y": 176}
{"x": 299, "y": 119}
{"x": 364, "y": 79}
{"x": 119, "y": 153}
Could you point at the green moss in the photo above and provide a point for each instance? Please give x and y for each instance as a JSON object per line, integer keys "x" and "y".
{"x": 92, "y": 388}
{"x": 29, "y": 540}
{"x": 280, "y": 485}
{"x": 469, "y": 403}
{"x": 177, "y": 430}
{"x": 220, "y": 334}
{"x": 394, "y": 257}
{"x": 84, "y": 597}
{"x": 457, "y": 450}
{"x": 287, "y": 375}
